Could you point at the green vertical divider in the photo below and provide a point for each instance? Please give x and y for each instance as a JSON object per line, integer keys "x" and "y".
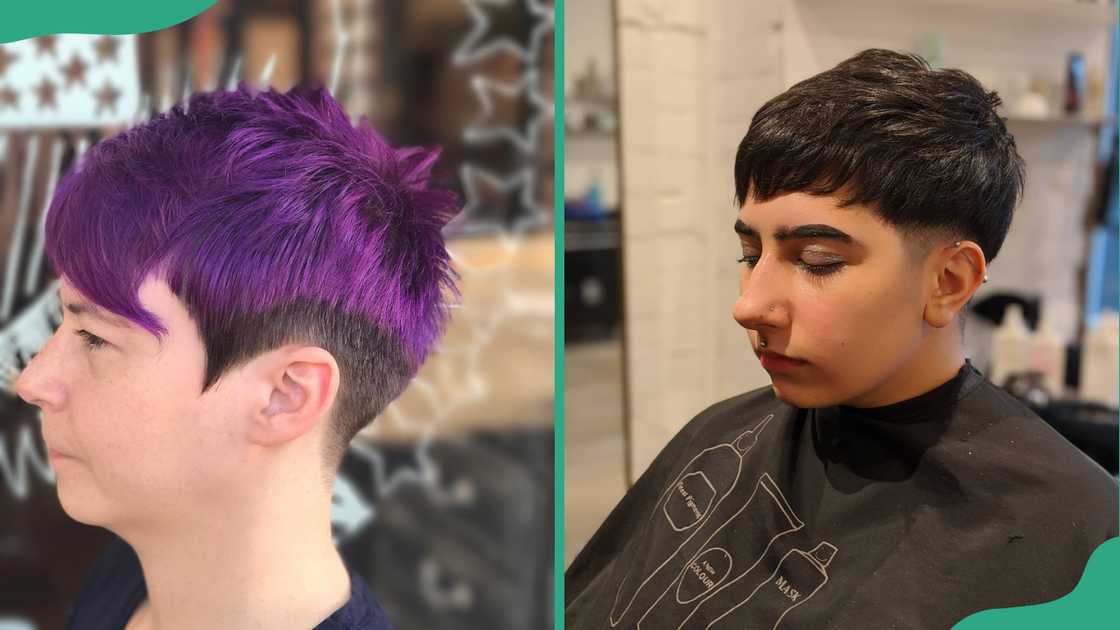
{"x": 558, "y": 279}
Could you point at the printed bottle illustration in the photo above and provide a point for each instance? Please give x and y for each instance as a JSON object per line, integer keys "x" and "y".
{"x": 681, "y": 512}
{"x": 733, "y": 549}
{"x": 798, "y": 577}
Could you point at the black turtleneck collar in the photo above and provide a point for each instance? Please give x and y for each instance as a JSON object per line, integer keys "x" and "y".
{"x": 933, "y": 404}
{"x": 863, "y": 444}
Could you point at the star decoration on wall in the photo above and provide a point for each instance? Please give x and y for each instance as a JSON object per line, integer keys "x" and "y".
{"x": 69, "y": 80}
{"x": 107, "y": 96}
{"x": 6, "y": 59}
{"x": 8, "y": 97}
{"x": 46, "y": 92}
{"x": 483, "y": 40}
{"x": 75, "y": 71}
{"x": 525, "y": 137}
{"x": 45, "y": 45}
{"x": 106, "y": 47}
{"x": 495, "y": 203}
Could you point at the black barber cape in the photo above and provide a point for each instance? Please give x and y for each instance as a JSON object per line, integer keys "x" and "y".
{"x": 913, "y": 515}
{"x": 115, "y": 587}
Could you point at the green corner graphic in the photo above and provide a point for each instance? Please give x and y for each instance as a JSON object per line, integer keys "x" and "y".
{"x": 114, "y": 17}
{"x": 1090, "y": 605}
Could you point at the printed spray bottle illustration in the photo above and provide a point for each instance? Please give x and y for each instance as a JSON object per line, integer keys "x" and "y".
{"x": 798, "y": 577}
{"x": 729, "y": 555}
{"x": 681, "y": 513}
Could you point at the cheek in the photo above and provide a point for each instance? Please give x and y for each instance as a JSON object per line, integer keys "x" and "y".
{"x": 839, "y": 325}
{"x": 136, "y": 430}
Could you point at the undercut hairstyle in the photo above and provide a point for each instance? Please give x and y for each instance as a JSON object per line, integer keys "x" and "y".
{"x": 924, "y": 148}
{"x": 275, "y": 221}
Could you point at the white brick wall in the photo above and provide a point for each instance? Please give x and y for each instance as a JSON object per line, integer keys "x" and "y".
{"x": 690, "y": 80}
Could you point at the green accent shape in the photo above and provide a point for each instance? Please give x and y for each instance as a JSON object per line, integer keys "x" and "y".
{"x": 22, "y": 20}
{"x": 1090, "y": 605}
{"x": 558, "y": 314}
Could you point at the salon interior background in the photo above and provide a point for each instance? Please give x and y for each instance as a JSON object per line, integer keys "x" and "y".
{"x": 658, "y": 95}
{"x": 445, "y": 504}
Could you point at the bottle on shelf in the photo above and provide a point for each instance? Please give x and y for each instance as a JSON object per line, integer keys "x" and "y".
{"x": 1011, "y": 346}
{"x": 1100, "y": 353}
{"x": 1048, "y": 356}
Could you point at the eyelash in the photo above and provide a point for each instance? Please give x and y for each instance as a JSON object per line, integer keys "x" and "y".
{"x": 92, "y": 341}
{"x": 816, "y": 270}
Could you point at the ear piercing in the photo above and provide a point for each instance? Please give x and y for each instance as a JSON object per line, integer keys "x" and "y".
{"x": 958, "y": 244}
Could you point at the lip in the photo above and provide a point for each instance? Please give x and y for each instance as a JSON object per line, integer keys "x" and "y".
{"x": 54, "y": 455}
{"x": 780, "y": 363}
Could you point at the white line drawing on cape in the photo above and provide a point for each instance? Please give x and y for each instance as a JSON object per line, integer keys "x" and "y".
{"x": 730, "y": 454}
{"x": 798, "y": 577}
{"x": 767, "y": 519}
{"x": 691, "y": 495}
{"x": 711, "y": 567}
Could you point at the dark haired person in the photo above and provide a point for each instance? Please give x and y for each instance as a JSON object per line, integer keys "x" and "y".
{"x": 881, "y": 481}
{"x": 246, "y": 282}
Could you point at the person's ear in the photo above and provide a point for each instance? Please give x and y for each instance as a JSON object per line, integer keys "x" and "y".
{"x": 958, "y": 271}
{"x": 298, "y": 389}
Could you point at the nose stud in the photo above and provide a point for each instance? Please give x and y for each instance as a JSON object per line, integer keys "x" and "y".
{"x": 761, "y": 341}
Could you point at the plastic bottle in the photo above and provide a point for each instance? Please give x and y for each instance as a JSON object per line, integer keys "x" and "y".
{"x": 1075, "y": 83}
{"x": 1048, "y": 355}
{"x": 1100, "y": 353}
{"x": 1011, "y": 345}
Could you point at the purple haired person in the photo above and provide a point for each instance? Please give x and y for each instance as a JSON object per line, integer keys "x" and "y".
{"x": 246, "y": 282}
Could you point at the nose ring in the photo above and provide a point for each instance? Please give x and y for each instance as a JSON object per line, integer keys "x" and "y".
{"x": 761, "y": 341}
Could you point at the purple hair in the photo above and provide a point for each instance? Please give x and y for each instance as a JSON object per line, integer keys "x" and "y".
{"x": 249, "y": 203}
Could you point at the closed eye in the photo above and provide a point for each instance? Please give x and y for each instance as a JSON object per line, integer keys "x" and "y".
{"x": 91, "y": 340}
{"x": 817, "y": 270}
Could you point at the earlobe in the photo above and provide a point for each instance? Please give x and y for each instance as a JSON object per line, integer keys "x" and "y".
{"x": 939, "y": 310}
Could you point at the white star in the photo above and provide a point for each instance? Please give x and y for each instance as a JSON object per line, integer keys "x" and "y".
{"x": 473, "y": 47}
{"x": 484, "y": 88}
{"x": 472, "y": 220}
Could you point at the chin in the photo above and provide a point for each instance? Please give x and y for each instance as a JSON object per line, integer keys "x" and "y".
{"x": 79, "y": 505}
{"x": 802, "y": 397}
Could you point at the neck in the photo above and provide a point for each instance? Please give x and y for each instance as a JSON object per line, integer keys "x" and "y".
{"x": 267, "y": 562}
{"x": 935, "y": 361}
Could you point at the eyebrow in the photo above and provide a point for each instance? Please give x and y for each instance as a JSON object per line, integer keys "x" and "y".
{"x": 82, "y": 307}
{"x": 814, "y": 230}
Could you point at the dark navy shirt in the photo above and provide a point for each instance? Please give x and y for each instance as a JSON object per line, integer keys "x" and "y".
{"x": 115, "y": 587}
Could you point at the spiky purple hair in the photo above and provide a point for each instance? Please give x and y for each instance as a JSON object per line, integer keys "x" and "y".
{"x": 246, "y": 203}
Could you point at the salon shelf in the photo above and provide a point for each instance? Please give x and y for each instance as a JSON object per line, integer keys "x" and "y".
{"x": 1068, "y": 12}
{"x": 1090, "y": 121}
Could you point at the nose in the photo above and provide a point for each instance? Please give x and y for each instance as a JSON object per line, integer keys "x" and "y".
{"x": 763, "y": 290}
{"x": 39, "y": 383}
